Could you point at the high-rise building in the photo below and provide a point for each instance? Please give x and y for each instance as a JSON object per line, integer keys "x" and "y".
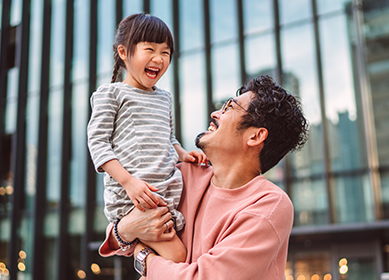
{"x": 333, "y": 55}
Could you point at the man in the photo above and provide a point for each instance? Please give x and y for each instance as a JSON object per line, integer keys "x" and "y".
{"x": 237, "y": 222}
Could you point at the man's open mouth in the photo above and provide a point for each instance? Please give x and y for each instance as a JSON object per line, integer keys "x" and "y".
{"x": 152, "y": 72}
{"x": 212, "y": 126}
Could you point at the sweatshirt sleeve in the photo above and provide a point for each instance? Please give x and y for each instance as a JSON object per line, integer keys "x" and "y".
{"x": 173, "y": 139}
{"x": 252, "y": 245}
{"x": 100, "y": 127}
{"x": 106, "y": 251}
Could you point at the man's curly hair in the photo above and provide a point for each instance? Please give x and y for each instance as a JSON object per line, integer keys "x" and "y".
{"x": 280, "y": 113}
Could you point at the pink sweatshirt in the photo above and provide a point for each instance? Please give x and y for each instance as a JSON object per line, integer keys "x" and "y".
{"x": 229, "y": 234}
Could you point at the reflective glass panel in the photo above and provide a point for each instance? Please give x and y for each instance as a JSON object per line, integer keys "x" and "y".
{"x": 385, "y": 193}
{"x": 57, "y": 38}
{"x": 191, "y": 25}
{"x": 353, "y": 199}
{"x": 100, "y": 222}
{"x": 80, "y": 67}
{"x": 225, "y": 72}
{"x": 25, "y": 252}
{"x": 257, "y": 15}
{"x": 291, "y": 11}
{"x": 12, "y": 101}
{"x": 223, "y": 19}
{"x": 34, "y": 65}
{"x": 310, "y": 202}
{"x": 344, "y": 122}
{"x": 54, "y": 148}
{"x": 163, "y": 9}
{"x": 376, "y": 58}
{"x": 260, "y": 55}
{"x": 192, "y": 95}
{"x": 16, "y": 12}
{"x": 300, "y": 79}
{"x": 361, "y": 269}
{"x": 50, "y": 246}
{"x": 105, "y": 37}
{"x": 132, "y": 7}
{"x": 331, "y": 5}
{"x": 80, "y": 152}
{"x": 32, "y": 126}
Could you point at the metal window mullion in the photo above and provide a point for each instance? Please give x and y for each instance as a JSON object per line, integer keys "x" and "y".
{"x": 367, "y": 109}
{"x": 146, "y": 6}
{"x": 19, "y": 140}
{"x": 208, "y": 61}
{"x": 277, "y": 41}
{"x": 242, "y": 60}
{"x": 176, "y": 67}
{"x": 118, "y": 12}
{"x": 4, "y": 27}
{"x": 90, "y": 190}
{"x": 38, "y": 213}
{"x": 63, "y": 259}
{"x": 328, "y": 178}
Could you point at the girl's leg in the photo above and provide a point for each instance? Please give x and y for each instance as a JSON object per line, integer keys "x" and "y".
{"x": 173, "y": 250}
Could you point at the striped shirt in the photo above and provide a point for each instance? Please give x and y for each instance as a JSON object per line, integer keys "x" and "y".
{"x": 136, "y": 127}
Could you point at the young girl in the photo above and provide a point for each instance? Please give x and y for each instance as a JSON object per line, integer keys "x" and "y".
{"x": 131, "y": 130}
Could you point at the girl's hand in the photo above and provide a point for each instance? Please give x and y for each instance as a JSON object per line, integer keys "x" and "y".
{"x": 196, "y": 156}
{"x": 141, "y": 194}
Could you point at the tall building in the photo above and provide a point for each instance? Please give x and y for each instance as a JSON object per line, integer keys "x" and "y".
{"x": 333, "y": 54}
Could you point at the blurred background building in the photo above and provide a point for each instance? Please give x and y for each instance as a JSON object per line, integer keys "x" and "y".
{"x": 333, "y": 54}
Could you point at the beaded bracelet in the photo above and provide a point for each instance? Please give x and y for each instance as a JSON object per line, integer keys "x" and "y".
{"x": 124, "y": 246}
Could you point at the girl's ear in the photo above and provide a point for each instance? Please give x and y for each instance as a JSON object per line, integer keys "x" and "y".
{"x": 257, "y": 136}
{"x": 122, "y": 52}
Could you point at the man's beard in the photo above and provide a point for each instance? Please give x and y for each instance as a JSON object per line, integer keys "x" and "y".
{"x": 198, "y": 143}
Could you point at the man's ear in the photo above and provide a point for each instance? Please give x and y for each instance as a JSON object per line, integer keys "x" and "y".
{"x": 122, "y": 52}
{"x": 257, "y": 136}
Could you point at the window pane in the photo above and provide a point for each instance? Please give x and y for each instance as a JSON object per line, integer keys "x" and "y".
{"x": 300, "y": 78}
{"x": 34, "y": 64}
{"x": 132, "y": 7}
{"x": 310, "y": 202}
{"x": 376, "y": 32}
{"x": 193, "y": 95}
{"x": 260, "y": 56}
{"x": 191, "y": 25}
{"x": 258, "y": 15}
{"x": 307, "y": 265}
{"x": 163, "y": 9}
{"x": 225, "y": 72}
{"x": 80, "y": 67}
{"x": 353, "y": 199}
{"x": 344, "y": 122}
{"x": 223, "y": 20}
{"x": 54, "y": 148}
{"x": 79, "y": 149}
{"x": 291, "y": 11}
{"x": 16, "y": 12}
{"x": 12, "y": 101}
{"x": 57, "y": 47}
{"x": 331, "y": 5}
{"x": 105, "y": 36}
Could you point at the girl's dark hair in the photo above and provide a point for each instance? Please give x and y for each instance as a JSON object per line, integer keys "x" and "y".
{"x": 280, "y": 113}
{"x": 139, "y": 28}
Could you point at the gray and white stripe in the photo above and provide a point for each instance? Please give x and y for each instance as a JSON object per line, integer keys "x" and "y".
{"x": 135, "y": 127}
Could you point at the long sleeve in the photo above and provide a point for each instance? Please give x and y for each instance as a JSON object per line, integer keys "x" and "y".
{"x": 252, "y": 245}
{"x": 104, "y": 110}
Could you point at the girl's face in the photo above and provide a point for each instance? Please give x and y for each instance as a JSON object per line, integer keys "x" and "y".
{"x": 147, "y": 64}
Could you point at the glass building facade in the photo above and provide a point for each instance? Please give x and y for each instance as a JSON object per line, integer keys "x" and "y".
{"x": 333, "y": 54}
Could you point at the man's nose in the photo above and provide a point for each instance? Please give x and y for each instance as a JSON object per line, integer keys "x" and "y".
{"x": 216, "y": 114}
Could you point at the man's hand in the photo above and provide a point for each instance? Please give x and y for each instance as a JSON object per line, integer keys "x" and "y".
{"x": 149, "y": 225}
{"x": 140, "y": 193}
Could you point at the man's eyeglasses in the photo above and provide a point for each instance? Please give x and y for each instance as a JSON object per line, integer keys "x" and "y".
{"x": 227, "y": 104}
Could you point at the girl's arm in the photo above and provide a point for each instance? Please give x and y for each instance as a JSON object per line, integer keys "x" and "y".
{"x": 139, "y": 191}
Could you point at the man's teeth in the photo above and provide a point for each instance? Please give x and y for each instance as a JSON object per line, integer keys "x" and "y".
{"x": 211, "y": 128}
